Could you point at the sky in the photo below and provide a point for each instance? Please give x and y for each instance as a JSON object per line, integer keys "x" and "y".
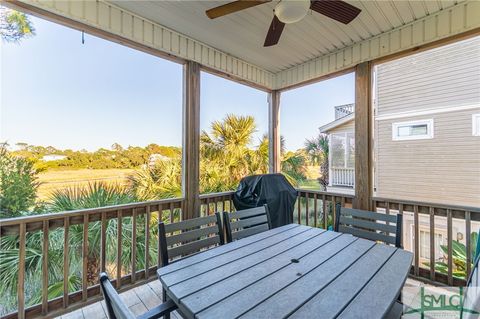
{"x": 56, "y": 91}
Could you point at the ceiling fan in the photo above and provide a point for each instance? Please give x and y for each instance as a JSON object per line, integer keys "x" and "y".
{"x": 290, "y": 11}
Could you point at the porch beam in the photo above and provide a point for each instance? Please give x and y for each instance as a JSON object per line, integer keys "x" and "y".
{"x": 274, "y": 132}
{"x": 191, "y": 140}
{"x": 363, "y": 137}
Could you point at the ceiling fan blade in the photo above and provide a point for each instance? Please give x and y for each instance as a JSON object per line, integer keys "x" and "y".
{"x": 336, "y": 9}
{"x": 274, "y": 32}
{"x": 233, "y": 7}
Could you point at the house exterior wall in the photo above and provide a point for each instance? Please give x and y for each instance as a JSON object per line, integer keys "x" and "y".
{"x": 348, "y": 127}
{"x": 442, "y": 88}
{"x": 440, "y": 79}
{"x": 444, "y": 169}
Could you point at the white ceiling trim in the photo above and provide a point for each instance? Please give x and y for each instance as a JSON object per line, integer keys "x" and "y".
{"x": 112, "y": 19}
{"x": 455, "y": 20}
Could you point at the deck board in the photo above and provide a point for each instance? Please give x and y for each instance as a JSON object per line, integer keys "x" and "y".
{"x": 153, "y": 290}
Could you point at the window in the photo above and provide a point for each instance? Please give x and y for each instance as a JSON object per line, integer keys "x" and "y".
{"x": 476, "y": 124}
{"x": 342, "y": 146}
{"x": 414, "y": 130}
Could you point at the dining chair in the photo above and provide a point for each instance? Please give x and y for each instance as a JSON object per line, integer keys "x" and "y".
{"x": 471, "y": 296}
{"x": 247, "y": 222}
{"x": 186, "y": 238}
{"x": 369, "y": 225}
{"x": 116, "y": 308}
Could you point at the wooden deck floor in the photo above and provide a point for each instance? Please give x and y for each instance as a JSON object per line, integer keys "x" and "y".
{"x": 139, "y": 300}
{"x": 143, "y": 298}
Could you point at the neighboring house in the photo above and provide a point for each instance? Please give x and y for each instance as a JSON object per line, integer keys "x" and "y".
{"x": 53, "y": 157}
{"x": 426, "y": 128}
{"x": 426, "y": 138}
{"x": 341, "y": 161}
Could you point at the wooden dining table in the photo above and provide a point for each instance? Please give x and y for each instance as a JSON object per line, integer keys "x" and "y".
{"x": 292, "y": 271}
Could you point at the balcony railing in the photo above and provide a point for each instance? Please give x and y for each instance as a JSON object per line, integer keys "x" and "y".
{"x": 344, "y": 110}
{"x": 135, "y": 224}
{"x": 343, "y": 177}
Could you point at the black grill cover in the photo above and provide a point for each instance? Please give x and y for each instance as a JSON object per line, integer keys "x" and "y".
{"x": 271, "y": 189}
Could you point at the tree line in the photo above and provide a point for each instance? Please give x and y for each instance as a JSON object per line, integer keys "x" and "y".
{"x": 115, "y": 157}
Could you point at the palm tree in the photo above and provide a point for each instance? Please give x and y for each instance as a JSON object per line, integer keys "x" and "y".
{"x": 162, "y": 180}
{"x": 90, "y": 196}
{"x": 317, "y": 150}
{"x": 14, "y": 25}
{"x": 226, "y": 149}
{"x": 293, "y": 167}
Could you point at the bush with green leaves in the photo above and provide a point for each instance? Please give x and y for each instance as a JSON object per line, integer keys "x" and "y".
{"x": 80, "y": 197}
{"x": 18, "y": 184}
{"x": 459, "y": 257}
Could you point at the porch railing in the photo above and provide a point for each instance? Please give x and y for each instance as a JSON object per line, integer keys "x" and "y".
{"x": 136, "y": 223}
{"x": 431, "y": 218}
{"x": 132, "y": 225}
{"x": 216, "y": 202}
{"x": 317, "y": 208}
{"x": 343, "y": 177}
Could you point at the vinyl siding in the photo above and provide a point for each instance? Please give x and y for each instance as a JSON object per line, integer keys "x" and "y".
{"x": 441, "y": 78}
{"x": 445, "y": 169}
{"x": 347, "y": 127}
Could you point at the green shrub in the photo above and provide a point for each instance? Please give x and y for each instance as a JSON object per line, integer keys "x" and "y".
{"x": 18, "y": 185}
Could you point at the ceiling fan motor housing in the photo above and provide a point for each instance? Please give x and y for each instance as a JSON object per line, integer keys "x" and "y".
{"x": 291, "y": 11}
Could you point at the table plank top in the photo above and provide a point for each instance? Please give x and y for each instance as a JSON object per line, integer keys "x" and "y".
{"x": 292, "y": 271}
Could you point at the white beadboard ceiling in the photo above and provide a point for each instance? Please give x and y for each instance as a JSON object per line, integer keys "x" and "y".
{"x": 242, "y": 34}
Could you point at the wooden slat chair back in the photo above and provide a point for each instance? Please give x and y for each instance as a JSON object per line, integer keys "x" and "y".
{"x": 471, "y": 301}
{"x": 247, "y": 222}
{"x": 188, "y": 237}
{"x": 117, "y": 309}
{"x": 369, "y": 225}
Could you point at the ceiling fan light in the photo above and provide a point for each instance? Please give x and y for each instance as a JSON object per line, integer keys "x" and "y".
{"x": 290, "y": 11}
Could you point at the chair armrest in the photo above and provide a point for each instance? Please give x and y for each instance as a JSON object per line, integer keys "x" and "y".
{"x": 159, "y": 311}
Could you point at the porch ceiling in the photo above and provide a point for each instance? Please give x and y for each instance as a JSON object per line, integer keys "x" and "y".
{"x": 242, "y": 34}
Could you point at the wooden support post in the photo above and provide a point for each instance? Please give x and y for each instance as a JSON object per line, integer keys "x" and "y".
{"x": 363, "y": 137}
{"x": 274, "y": 132}
{"x": 191, "y": 140}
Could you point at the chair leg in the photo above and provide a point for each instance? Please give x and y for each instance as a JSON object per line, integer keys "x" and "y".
{"x": 164, "y": 299}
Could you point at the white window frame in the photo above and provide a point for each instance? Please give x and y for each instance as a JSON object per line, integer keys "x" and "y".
{"x": 429, "y": 135}
{"x": 475, "y": 128}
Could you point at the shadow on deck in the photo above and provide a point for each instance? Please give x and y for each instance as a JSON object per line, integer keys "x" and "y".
{"x": 143, "y": 298}
{"x": 139, "y": 300}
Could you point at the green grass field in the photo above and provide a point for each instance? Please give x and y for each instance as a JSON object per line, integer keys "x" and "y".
{"x": 61, "y": 179}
